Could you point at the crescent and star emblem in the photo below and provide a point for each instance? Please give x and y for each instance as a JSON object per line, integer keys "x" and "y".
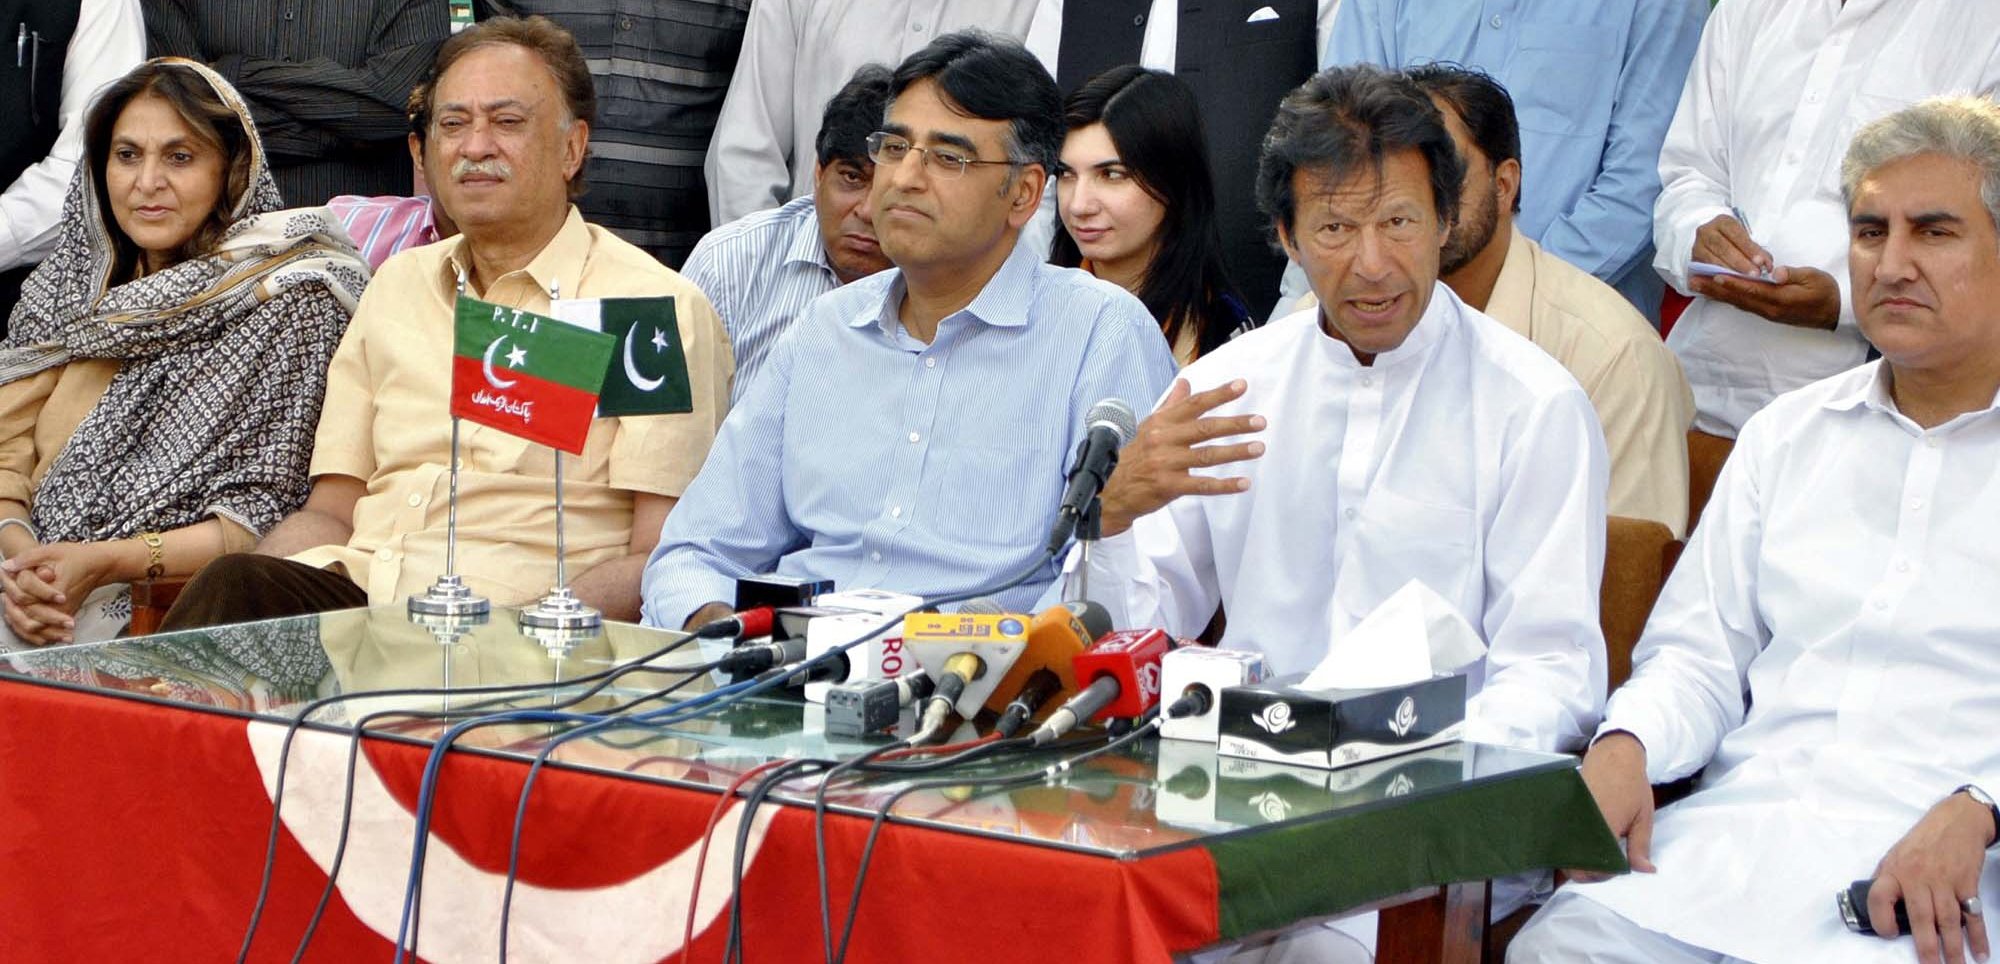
{"x": 515, "y": 359}
{"x": 632, "y": 375}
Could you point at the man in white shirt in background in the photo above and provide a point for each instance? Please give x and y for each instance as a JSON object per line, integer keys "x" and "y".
{"x": 1395, "y": 434}
{"x": 796, "y": 53}
{"x": 1749, "y": 178}
{"x": 1826, "y": 646}
{"x": 64, "y": 51}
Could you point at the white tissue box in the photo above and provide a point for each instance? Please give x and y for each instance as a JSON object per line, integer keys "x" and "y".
{"x": 1278, "y": 722}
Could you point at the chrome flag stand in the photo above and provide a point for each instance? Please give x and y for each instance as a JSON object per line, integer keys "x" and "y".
{"x": 560, "y": 609}
{"x": 450, "y": 596}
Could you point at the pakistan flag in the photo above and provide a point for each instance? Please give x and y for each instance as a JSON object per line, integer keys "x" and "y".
{"x": 648, "y": 373}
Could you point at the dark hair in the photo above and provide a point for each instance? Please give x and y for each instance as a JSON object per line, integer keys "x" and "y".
{"x": 1481, "y": 103}
{"x": 1346, "y": 120}
{"x": 553, "y": 44}
{"x": 1155, "y": 124}
{"x": 417, "y": 111}
{"x": 213, "y": 123}
{"x": 854, "y": 112}
{"x": 993, "y": 78}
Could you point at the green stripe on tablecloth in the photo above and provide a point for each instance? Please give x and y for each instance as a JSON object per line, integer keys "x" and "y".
{"x": 1530, "y": 822}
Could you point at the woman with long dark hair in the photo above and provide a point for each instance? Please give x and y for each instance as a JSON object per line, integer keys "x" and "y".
{"x": 1137, "y": 203}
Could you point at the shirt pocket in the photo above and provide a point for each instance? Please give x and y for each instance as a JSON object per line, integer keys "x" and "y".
{"x": 1400, "y": 539}
{"x": 1564, "y": 78}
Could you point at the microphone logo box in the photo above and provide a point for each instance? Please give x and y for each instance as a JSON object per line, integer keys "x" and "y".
{"x": 1277, "y": 722}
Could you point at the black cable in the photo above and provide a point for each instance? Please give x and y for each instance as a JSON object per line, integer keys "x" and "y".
{"x": 733, "y": 948}
{"x": 819, "y": 835}
{"x": 347, "y": 803}
{"x": 1022, "y": 779}
{"x": 515, "y": 691}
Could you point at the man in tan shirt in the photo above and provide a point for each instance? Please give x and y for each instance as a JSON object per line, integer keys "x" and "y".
{"x": 1632, "y": 378}
{"x": 510, "y": 112}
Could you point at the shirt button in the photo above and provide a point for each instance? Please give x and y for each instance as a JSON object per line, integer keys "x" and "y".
{"x": 1349, "y": 513}
{"x": 1496, "y": 21}
{"x": 384, "y": 554}
{"x": 930, "y": 363}
{"x": 1881, "y": 604}
{"x": 1916, "y": 503}
{"x": 1139, "y": 20}
{"x": 624, "y": 23}
{"x": 1903, "y": 565}
{"x": 1367, "y": 381}
{"x": 896, "y": 513}
{"x": 875, "y": 556}
{"x": 917, "y": 27}
{"x": 913, "y": 438}
{"x": 1931, "y": 441}
{"x": 1814, "y": 97}
{"x": 416, "y": 500}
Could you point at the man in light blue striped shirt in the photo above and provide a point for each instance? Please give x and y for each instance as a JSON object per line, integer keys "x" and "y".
{"x": 762, "y": 269}
{"x": 911, "y": 430}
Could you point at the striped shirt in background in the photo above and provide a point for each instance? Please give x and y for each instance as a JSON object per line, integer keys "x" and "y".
{"x": 382, "y": 226}
{"x": 327, "y": 80}
{"x": 662, "y": 69}
{"x": 759, "y": 272}
{"x": 865, "y": 456}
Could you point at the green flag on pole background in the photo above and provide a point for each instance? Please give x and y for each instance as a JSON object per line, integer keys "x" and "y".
{"x": 647, "y": 374}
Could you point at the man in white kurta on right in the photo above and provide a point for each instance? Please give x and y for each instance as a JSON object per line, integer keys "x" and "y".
{"x": 1749, "y": 180}
{"x": 1827, "y": 650}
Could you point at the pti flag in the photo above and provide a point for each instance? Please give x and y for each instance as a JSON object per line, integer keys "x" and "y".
{"x": 526, "y": 374}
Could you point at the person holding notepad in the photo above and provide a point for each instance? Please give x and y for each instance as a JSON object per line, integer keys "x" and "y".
{"x": 510, "y": 104}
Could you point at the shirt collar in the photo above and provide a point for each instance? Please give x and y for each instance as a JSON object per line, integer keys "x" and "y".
{"x": 1512, "y": 300}
{"x": 1441, "y": 313}
{"x": 806, "y": 246}
{"x": 557, "y": 267}
{"x": 1002, "y": 303}
{"x": 1871, "y": 391}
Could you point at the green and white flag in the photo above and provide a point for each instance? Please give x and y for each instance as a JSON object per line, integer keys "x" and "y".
{"x": 648, "y": 373}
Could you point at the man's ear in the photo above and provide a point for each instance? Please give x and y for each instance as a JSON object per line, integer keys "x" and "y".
{"x": 1507, "y": 180}
{"x": 576, "y": 141}
{"x": 1025, "y": 196}
{"x": 419, "y": 181}
{"x": 1285, "y": 241}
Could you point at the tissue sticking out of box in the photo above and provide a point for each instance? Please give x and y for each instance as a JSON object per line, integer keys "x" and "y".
{"x": 1414, "y": 635}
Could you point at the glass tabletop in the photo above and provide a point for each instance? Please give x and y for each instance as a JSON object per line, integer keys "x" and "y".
{"x": 1151, "y": 797}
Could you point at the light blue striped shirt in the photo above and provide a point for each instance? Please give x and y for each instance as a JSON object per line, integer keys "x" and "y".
{"x": 760, "y": 271}
{"x": 1594, "y": 83}
{"x": 864, "y": 456}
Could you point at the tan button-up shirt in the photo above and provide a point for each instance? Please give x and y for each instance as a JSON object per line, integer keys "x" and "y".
{"x": 1633, "y": 380}
{"x": 387, "y": 421}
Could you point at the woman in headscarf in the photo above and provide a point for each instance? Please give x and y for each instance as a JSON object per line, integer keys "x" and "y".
{"x": 162, "y": 374}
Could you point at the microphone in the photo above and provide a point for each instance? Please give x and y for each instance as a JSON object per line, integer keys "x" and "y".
{"x": 748, "y": 624}
{"x": 1109, "y": 426}
{"x": 750, "y": 659}
{"x": 1120, "y": 677}
{"x": 966, "y": 653}
{"x": 1056, "y": 636}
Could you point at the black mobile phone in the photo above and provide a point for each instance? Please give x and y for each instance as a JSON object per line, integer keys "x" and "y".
{"x": 1853, "y": 903}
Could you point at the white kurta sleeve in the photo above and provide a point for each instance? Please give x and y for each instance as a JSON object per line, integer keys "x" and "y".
{"x": 1694, "y": 159}
{"x": 1690, "y": 670}
{"x": 1544, "y": 561}
{"x": 1159, "y": 573}
{"x": 749, "y": 165}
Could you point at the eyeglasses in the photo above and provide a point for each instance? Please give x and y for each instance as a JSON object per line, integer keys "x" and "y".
{"x": 888, "y": 150}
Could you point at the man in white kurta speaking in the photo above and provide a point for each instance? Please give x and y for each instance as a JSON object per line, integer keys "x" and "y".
{"x": 1825, "y": 653}
{"x": 1391, "y": 434}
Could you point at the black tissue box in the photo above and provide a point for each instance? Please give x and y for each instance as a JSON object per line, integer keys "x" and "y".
{"x": 1278, "y": 722}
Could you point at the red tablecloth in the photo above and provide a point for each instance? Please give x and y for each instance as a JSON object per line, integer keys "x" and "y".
{"x": 134, "y": 831}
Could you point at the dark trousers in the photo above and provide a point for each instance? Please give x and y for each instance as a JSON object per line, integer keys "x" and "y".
{"x": 243, "y": 587}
